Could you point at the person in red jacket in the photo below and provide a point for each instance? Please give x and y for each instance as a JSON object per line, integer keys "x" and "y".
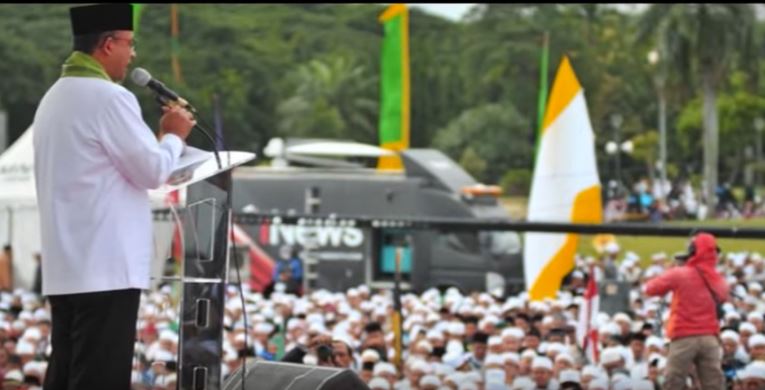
{"x": 693, "y": 326}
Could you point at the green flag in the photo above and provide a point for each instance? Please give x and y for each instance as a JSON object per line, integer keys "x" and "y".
{"x": 394, "y": 85}
{"x": 137, "y": 8}
{"x": 542, "y": 103}
{"x": 174, "y": 45}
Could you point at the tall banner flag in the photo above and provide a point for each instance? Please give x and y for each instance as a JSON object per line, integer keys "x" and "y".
{"x": 543, "y": 81}
{"x": 174, "y": 45}
{"x": 394, "y": 85}
{"x": 218, "y": 122}
{"x": 261, "y": 264}
{"x": 137, "y": 8}
{"x": 565, "y": 187}
{"x": 586, "y": 329}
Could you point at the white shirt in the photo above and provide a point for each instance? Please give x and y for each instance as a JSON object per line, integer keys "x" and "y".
{"x": 95, "y": 159}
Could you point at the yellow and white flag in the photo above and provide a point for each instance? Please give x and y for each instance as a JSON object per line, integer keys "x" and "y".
{"x": 566, "y": 187}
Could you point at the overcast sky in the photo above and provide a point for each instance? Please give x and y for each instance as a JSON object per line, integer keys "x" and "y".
{"x": 456, "y": 11}
{"x": 449, "y": 11}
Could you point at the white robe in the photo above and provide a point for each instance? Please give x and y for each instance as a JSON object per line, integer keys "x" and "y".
{"x": 95, "y": 159}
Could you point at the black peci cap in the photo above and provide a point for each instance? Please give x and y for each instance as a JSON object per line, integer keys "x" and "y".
{"x": 92, "y": 19}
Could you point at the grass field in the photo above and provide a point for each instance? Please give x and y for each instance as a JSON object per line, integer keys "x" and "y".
{"x": 645, "y": 246}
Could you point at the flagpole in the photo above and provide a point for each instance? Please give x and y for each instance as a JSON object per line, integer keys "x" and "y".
{"x": 542, "y": 102}
{"x": 397, "y": 317}
{"x": 174, "y": 45}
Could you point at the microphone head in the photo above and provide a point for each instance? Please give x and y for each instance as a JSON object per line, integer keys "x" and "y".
{"x": 140, "y": 77}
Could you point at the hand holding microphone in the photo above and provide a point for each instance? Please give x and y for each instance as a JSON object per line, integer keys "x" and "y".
{"x": 176, "y": 120}
{"x": 177, "y": 117}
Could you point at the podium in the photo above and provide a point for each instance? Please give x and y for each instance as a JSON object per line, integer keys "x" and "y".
{"x": 206, "y": 227}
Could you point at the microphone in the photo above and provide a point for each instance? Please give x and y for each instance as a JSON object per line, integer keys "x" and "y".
{"x": 168, "y": 97}
{"x": 142, "y": 78}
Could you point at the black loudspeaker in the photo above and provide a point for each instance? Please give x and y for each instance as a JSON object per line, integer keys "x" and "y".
{"x": 265, "y": 375}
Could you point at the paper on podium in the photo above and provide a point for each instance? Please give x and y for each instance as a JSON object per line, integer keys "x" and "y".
{"x": 197, "y": 164}
{"x": 190, "y": 159}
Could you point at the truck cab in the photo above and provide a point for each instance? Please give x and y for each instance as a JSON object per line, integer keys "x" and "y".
{"x": 340, "y": 257}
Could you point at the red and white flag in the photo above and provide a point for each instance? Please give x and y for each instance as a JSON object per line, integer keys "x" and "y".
{"x": 587, "y": 330}
{"x": 261, "y": 263}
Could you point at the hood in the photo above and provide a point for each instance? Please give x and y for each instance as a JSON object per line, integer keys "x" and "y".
{"x": 705, "y": 251}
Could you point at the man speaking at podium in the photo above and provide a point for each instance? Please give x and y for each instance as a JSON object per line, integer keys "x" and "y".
{"x": 95, "y": 159}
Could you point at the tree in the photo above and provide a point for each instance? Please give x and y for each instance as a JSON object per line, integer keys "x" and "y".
{"x": 473, "y": 163}
{"x": 497, "y": 133}
{"x": 738, "y": 109}
{"x": 333, "y": 98}
{"x": 705, "y": 38}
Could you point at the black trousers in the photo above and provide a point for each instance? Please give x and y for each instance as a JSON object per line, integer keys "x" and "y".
{"x": 92, "y": 339}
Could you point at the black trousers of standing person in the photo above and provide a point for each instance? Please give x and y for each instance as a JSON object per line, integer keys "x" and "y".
{"x": 92, "y": 340}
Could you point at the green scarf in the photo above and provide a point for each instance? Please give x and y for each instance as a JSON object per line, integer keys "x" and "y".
{"x": 80, "y": 64}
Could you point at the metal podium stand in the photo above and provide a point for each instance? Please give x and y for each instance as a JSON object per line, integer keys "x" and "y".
{"x": 203, "y": 276}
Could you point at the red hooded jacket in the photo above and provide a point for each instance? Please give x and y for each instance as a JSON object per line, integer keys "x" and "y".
{"x": 693, "y": 311}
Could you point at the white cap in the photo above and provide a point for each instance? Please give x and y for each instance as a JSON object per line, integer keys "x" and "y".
{"x": 457, "y": 328}
{"x": 434, "y": 334}
{"x": 168, "y": 335}
{"x": 523, "y": 383}
{"x": 494, "y": 359}
{"x": 454, "y": 377}
{"x": 25, "y": 348}
{"x": 754, "y": 370}
{"x": 542, "y": 362}
{"x": 569, "y": 376}
{"x": 599, "y": 383}
{"x": 511, "y": 357}
{"x": 591, "y": 370}
{"x": 747, "y": 326}
{"x": 514, "y": 332}
{"x": 653, "y": 341}
{"x": 610, "y": 355}
{"x": 424, "y": 344}
{"x": 378, "y": 383}
{"x": 621, "y": 317}
{"x": 528, "y": 353}
{"x": 642, "y": 384}
{"x": 467, "y": 386}
{"x": 755, "y": 315}
{"x": 430, "y": 380}
{"x": 564, "y": 356}
{"x": 732, "y": 315}
{"x": 14, "y": 375}
{"x": 370, "y": 355}
{"x": 454, "y": 346}
{"x": 455, "y": 359}
{"x": 422, "y": 366}
{"x": 32, "y": 334}
{"x": 384, "y": 367}
{"x": 35, "y": 368}
{"x": 494, "y": 340}
{"x": 730, "y": 335}
{"x": 611, "y": 328}
{"x": 756, "y": 340}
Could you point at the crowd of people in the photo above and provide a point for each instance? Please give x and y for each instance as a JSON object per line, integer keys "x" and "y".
{"x": 451, "y": 340}
{"x": 647, "y": 200}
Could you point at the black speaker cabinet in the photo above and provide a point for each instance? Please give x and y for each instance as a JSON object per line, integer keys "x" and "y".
{"x": 265, "y": 375}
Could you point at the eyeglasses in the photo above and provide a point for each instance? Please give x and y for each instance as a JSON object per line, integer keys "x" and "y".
{"x": 131, "y": 41}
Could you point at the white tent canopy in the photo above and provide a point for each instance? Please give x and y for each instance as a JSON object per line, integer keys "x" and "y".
{"x": 19, "y": 219}
{"x": 17, "y": 180}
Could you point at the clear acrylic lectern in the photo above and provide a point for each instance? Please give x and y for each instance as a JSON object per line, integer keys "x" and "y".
{"x": 205, "y": 222}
